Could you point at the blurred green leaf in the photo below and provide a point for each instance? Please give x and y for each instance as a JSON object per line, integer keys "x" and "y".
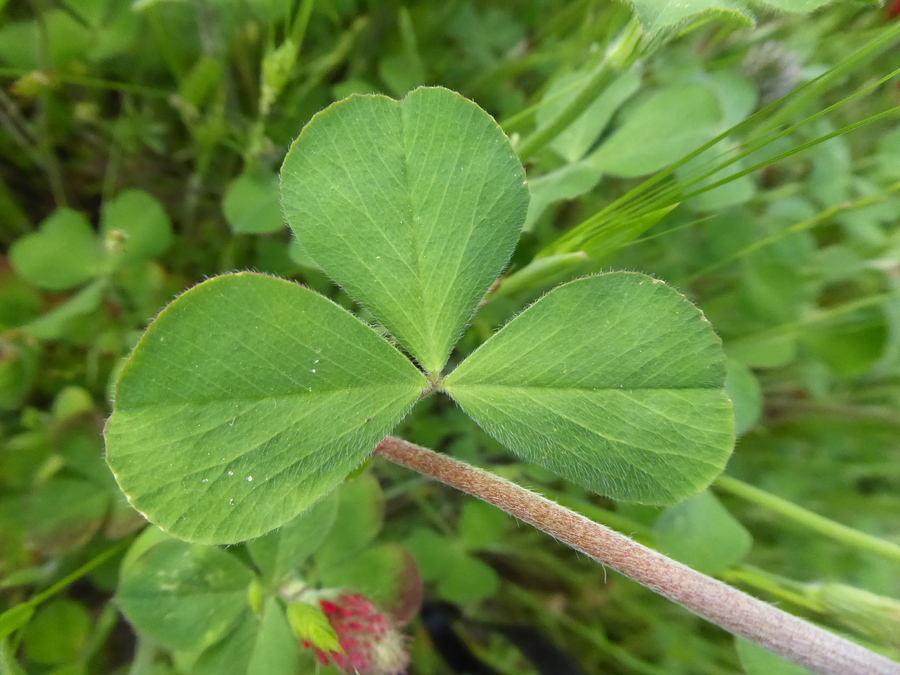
{"x": 143, "y": 223}
{"x": 659, "y": 131}
{"x": 258, "y": 646}
{"x": 64, "y": 513}
{"x": 889, "y": 154}
{"x": 15, "y": 618}
{"x": 702, "y": 534}
{"x": 573, "y": 143}
{"x": 201, "y": 81}
{"x": 567, "y": 182}
{"x": 285, "y": 549}
{"x": 71, "y": 402}
{"x": 19, "y": 302}
{"x": 482, "y": 526}
{"x": 184, "y": 596}
{"x": 58, "y": 633}
{"x": 758, "y": 661}
{"x": 58, "y": 322}
{"x": 63, "y": 254}
{"x": 852, "y": 346}
{"x": 468, "y": 580}
{"x": 657, "y": 14}
{"x": 745, "y": 393}
{"x": 386, "y": 574}
{"x": 91, "y": 11}
{"x": 251, "y": 204}
{"x": 19, "y": 362}
{"x": 875, "y": 616}
{"x": 360, "y": 515}
{"x": 769, "y": 352}
{"x": 459, "y": 576}
{"x": 7, "y": 661}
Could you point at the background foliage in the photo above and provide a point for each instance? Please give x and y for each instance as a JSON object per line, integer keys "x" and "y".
{"x": 140, "y": 147}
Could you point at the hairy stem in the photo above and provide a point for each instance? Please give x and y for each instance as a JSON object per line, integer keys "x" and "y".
{"x": 735, "y": 611}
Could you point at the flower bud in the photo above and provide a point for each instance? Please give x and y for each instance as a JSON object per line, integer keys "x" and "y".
{"x": 873, "y": 615}
{"x": 371, "y": 641}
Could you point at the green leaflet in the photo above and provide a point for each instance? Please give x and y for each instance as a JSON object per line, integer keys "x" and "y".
{"x": 62, "y": 254}
{"x": 656, "y": 14}
{"x": 58, "y": 633}
{"x": 278, "y": 553}
{"x": 669, "y": 124}
{"x": 258, "y": 646}
{"x": 246, "y": 401}
{"x": 142, "y": 221}
{"x": 359, "y": 518}
{"x": 184, "y": 596}
{"x": 251, "y": 204}
{"x": 702, "y": 534}
{"x": 412, "y": 206}
{"x": 614, "y": 382}
{"x": 575, "y": 141}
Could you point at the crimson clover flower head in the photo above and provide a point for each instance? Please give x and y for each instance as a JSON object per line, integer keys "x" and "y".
{"x": 371, "y": 640}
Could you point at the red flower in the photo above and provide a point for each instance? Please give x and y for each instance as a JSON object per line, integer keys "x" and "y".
{"x": 371, "y": 641}
{"x": 893, "y": 10}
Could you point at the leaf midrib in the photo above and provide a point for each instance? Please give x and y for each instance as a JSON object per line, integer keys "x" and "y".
{"x": 259, "y": 399}
{"x": 451, "y": 387}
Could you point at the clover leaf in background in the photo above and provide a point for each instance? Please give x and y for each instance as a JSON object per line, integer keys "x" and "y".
{"x": 141, "y": 222}
{"x": 701, "y": 533}
{"x": 452, "y": 563}
{"x": 212, "y": 607}
{"x": 655, "y": 15}
{"x": 66, "y": 252}
{"x": 251, "y": 204}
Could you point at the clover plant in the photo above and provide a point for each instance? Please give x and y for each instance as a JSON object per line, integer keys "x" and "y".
{"x": 250, "y": 397}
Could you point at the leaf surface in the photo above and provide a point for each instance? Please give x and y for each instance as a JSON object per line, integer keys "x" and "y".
{"x": 359, "y": 518}
{"x": 58, "y": 633}
{"x": 413, "y": 206}
{"x": 574, "y": 142}
{"x": 614, "y": 382}
{"x": 62, "y": 254}
{"x": 258, "y": 646}
{"x": 144, "y": 222}
{"x": 387, "y": 574}
{"x": 184, "y": 596}
{"x": 246, "y": 401}
{"x": 251, "y": 204}
{"x": 279, "y": 552}
{"x": 661, "y": 130}
{"x": 656, "y": 14}
{"x": 702, "y": 534}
